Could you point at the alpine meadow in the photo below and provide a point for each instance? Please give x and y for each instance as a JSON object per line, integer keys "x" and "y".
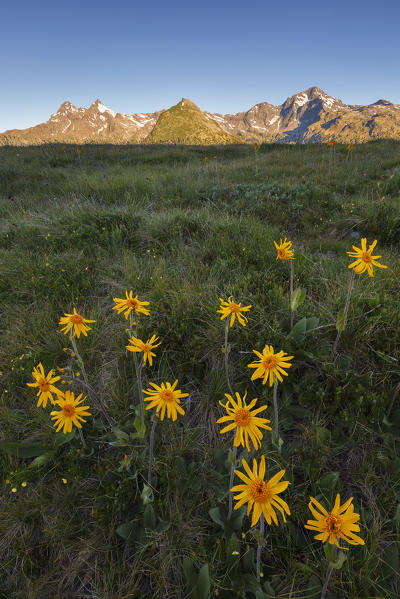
{"x": 199, "y": 370}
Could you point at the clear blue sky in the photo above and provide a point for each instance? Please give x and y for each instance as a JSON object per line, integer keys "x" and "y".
{"x": 225, "y": 56}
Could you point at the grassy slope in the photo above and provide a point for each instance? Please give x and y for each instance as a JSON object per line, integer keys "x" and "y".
{"x": 78, "y": 228}
{"x": 185, "y": 123}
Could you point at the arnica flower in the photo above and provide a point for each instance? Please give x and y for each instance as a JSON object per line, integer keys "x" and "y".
{"x": 45, "y": 385}
{"x": 130, "y": 303}
{"x": 270, "y": 365}
{"x": 339, "y": 524}
{"x": 284, "y": 251}
{"x": 140, "y": 346}
{"x": 349, "y": 147}
{"x": 365, "y": 261}
{"x": 77, "y": 322}
{"x": 245, "y": 421}
{"x": 167, "y": 398}
{"x": 261, "y": 495}
{"x": 233, "y": 309}
{"x": 71, "y": 412}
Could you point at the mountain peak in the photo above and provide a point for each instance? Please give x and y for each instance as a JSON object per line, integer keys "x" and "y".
{"x": 186, "y": 103}
{"x": 99, "y": 106}
{"x": 382, "y": 102}
{"x": 67, "y": 107}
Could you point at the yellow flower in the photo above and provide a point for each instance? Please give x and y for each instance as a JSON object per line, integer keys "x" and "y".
{"x": 339, "y": 524}
{"x": 350, "y": 147}
{"x": 165, "y": 397}
{"x": 141, "y": 346}
{"x": 45, "y": 385}
{"x": 284, "y": 251}
{"x": 245, "y": 421}
{"x": 71, "y": 412}
{"x": 261, "y": 495}
{"x": 77, "y": 322}
{"x": 330, "y": 143}
{"x": 129, "y": 304}
{"x": 270, "y": 365}
{"x": 257, "y": 146}
{"x": 234, "y": 310}
{"x": 64, "y": 481}
{"x": 24, "y": 484}
{"x": 365, "y": 261}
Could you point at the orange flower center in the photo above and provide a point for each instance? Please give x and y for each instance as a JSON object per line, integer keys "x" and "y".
{"x": 366, "y": 257}
{"x": 234, "y": 308}
{"x": 333, "y": 524}
{"x": 270, "y": 362}
{"x": 259, "y": 491}
{"x": 76, "y": 319}
{"x": 242, "y": 417}
{"x": 133, "y": 303}
{"x": 146, "y": 348}
{"x": 68, "y": 410}
{"x": 281, "y": 253}
{"x": 167, "y": 395}
{"x": 43, "y": 385}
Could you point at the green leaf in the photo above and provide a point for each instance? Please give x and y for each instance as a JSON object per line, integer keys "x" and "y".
{"x": 120, "y": 434}
{"x": 203, "y": 582}
{"x": 163, "y": 526}
{"x": 268, "y": 589}
{"x": 248, "y": 561}
{"x": 190, "y": 573}
{"x": 147, "y": 494}
{"x": 23, "y": 450}
{"x": 299, "y": 330}
{"x": 216, "y": 516}
{"x": 390, "y": 561}
{"x": 138, "y": 426}
{"x": 329, "y": 481}
{"x": 340, "y": 323}
{"x": 42, "y": 459}
{"x": 62, "y": 438}
{"x": 302, "y": 327}
{"x": 128, "y": 531}
{"x": 298, "y": 298}
{"x": 228, "y": 524}
{"x": 338, "y": 563}
{"x": 149, "y": 517}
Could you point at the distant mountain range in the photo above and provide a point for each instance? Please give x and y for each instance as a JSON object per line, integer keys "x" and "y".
{"x": 310, "y": 116}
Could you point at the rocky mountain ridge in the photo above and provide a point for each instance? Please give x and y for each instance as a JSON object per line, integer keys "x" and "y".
{"x": 310, "y": 116}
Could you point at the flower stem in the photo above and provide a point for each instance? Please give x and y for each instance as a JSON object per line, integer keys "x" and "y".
{"x": 326, "y": 582}
{"x": 346, "y": 308}
{"x": 231, "y": 481}
{"x": 276, "y": 417}
{"x": 138, "y": 368}
{"x": 226, "y": 355}
{"x": 291, "y": 292}
{"x": 139, "y": 376}
{"x": 153, "y": 428}
{"x": 85, "y": 383}
{"x": 82, "y": 437}
{"x": 260, "y": 543}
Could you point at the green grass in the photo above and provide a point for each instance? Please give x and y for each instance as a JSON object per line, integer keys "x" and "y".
{"x": 77, "y": 229}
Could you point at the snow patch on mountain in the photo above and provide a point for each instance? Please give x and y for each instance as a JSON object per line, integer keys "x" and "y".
{"x": 102, "y": 108}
